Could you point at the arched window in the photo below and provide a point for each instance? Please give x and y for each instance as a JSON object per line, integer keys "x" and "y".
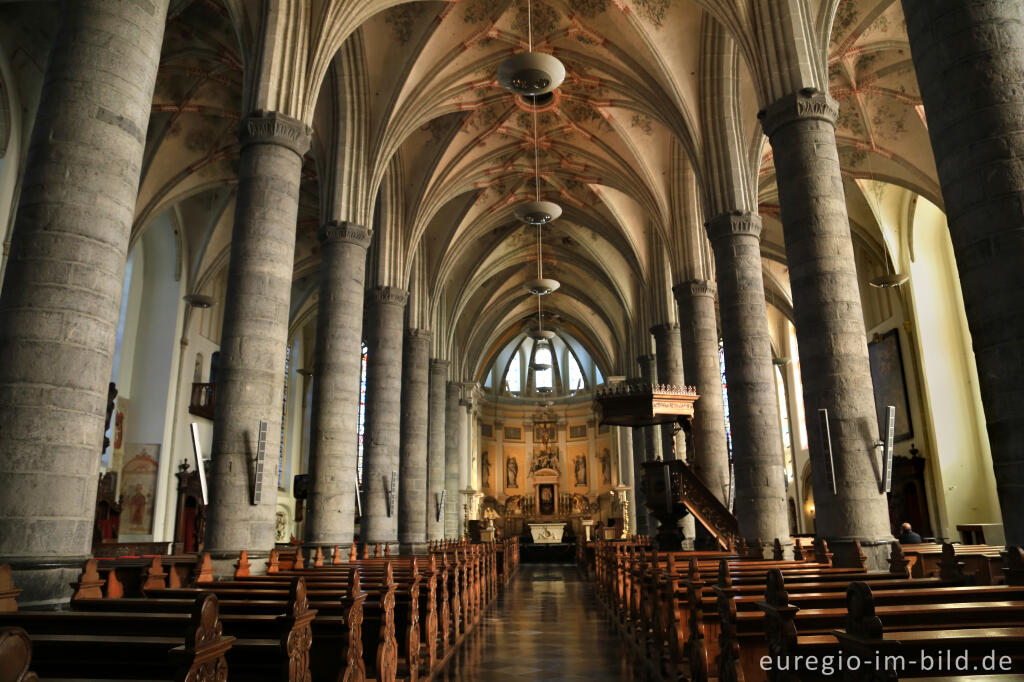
{"x": 725, "y": 396}
{"x": 542, "y": 369}
{"x": 514, "y": 378}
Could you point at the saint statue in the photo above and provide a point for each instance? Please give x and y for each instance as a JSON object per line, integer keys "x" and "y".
{"x": 606, "y": 465}
{"x": 581, "y": 470}
{"x": 485, "y": 463}
{"x": 511, "y": 473}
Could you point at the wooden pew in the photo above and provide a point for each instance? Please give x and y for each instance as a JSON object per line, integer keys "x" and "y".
{"x": 352, "y": 628}
{"x": 15, "y": 656}
{"x": 135, "y": 646}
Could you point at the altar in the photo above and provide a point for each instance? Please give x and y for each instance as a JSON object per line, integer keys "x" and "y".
{"x": 547, "y": 533}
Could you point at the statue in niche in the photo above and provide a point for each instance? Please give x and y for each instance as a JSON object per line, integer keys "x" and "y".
{"x": 606, "y": 465}
{"x": 581, "y": 470}
{"x": 485, "y": 464}
{"x": 511, "y": 473}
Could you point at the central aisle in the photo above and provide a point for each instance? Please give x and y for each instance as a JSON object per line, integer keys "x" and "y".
{"x": 545, "y": 625}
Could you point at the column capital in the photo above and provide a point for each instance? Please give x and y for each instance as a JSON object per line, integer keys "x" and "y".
{"x": 695, "y": 287}
{"x": 438, "y": 365}
{"x": 666, "y": 328}
{"x": 466, "y": 403}
{"x": 343, "y": 231}
{"x": 271, "y": 127}
{"x": 388, "y": 296}
{"x": 645, "y": 359}
{"x": 454, "y": 389}
{"x": 417, "y": 334}
{"x": 809, "y": 104}
{"x": 733, "y": 224}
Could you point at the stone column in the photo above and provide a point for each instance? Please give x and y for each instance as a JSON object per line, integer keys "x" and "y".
{"x": 62, "y": 291}
{"x": 452, "y": 467}
{"x": 465, "y": 462}
{"x": 753, "y": 404}
{"x": 250, "y": 382}
{"x": 625, "y": 473}
{"x": 337, "y": 362}
{"x": 385, "y": 329}
{"x": 699, "y": 336}
{"x": 969, "y": 58}
{"x": 412, "y": 461}
{"x": 436, "y": 447}
{"x": 829, "y": 323}
{"x": 669, "y": 354}
{"x": 652, "y": 434}
{"x": 642, "y": 514}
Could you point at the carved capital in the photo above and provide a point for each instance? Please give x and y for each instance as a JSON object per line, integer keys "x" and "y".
{"x": 388, "y": 296}
{"x": 667, "y": 328}
{"x": 343, "y": 231}
{"x": 466, "y": 403}
{"x": 808, "y": 104}
{"x": 271, "y": 127}
{"x": 438, "y": 365}
{"x": 734, "y": 224}
{"x": 417, "y": 335}
{"x": 696, "y": 287}
{"x": 454, "y": 389}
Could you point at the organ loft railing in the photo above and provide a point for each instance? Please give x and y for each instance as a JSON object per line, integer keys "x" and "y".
{"x": 672, "y": 489}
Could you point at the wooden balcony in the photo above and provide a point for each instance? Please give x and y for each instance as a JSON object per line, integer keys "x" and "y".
{"x": 203, "y": 400}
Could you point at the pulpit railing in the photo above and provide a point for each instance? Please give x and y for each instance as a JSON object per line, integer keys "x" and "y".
{"x": 671, "y": 485}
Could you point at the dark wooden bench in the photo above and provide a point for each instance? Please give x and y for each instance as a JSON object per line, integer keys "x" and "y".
{"x": 132, "y": 646}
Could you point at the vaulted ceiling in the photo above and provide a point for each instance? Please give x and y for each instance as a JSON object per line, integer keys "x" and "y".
{"x": 435, "y": 154}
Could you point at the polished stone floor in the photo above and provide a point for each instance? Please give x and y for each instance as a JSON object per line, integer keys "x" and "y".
{"x": 545, "y": 625}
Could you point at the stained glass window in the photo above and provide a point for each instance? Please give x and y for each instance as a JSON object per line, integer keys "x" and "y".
{"x": 361, "y": 423}
{"x": 725, "y": 396}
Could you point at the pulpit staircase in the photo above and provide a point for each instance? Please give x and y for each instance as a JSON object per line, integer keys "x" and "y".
{"x": 672, "y": 489}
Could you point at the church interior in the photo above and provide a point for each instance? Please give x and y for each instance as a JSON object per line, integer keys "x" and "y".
{"x": 463, "y": 339}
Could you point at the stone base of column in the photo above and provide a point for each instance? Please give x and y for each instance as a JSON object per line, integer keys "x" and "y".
{"x": 875, "y": 550}
{"x": 413, "y": 548}
{"x": 45, "y": 584}
{"x": 688, "y": 527}
{"x": 224, "y": 564}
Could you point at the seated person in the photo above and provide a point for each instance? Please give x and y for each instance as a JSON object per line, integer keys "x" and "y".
{"x": 908, "y": 536}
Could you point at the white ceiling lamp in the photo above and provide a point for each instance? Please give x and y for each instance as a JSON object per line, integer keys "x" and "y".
{"x": 888, "y": 280}
{"x": 531, "y": 73}
{"x": 538, "y": 212}
{"x": 535, "y": 212}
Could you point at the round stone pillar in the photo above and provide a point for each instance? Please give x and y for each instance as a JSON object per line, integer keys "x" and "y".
{"x": 652, "y": 434}
{"x": 337, "y": 363}
{"x": 381, "y": 483}
{"x": 626, "y": 475}
{"x": 62, "y": 291}
{"x": 669, "y": 353}
{"x": 699, "y": 337}
{"x": 760, "y": 506}
{"x": 640, "y": 511}
{"x": 829, "y": 324}
{"x": 250, "y": 382}
{"x": 969, "y": 58}
{"x": 412, "y": 460}
{"x": 436, "y": 448}
{"x": 452, "y": 463}
{"x": 385, "y": 321}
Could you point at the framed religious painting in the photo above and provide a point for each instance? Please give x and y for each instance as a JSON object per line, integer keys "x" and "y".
{"x": 890, "y": 386}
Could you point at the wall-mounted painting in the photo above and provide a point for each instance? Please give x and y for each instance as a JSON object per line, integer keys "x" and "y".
{"x": 577, "y": 431}
{"x": 512, "y": 433}
{"x": 889, "y": 383}
{"x": 138, "y": 488}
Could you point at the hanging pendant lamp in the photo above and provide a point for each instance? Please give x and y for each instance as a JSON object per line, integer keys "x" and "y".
{"x": 535, "y": 212}
{"x": 531, "y": 73}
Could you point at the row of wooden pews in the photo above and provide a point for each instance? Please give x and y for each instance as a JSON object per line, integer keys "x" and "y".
{"x": 719, "y": 615}
{"x": 371, "y": 617}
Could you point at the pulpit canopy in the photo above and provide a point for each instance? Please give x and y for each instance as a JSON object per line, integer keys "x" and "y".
{"x": 644, "y": 404}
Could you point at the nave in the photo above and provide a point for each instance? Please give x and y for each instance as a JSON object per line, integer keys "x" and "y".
{"x": 545, "y": 625}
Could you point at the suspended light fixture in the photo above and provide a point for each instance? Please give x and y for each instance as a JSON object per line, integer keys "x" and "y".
{"x": 535, "y": 212}
{"x": 531, "y": 73}
{"x": 888, "y": 280}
